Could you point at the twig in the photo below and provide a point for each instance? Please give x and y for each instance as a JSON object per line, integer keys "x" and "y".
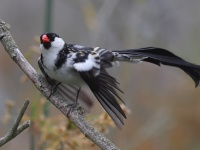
{"x": 75, "y": 116}
{"x": 16, "y": 129}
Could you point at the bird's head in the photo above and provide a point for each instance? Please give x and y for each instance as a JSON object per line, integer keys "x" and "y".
{"x": 51, "y": 41}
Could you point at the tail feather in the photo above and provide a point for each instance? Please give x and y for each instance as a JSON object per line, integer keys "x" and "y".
{"x": 159, "y": 56}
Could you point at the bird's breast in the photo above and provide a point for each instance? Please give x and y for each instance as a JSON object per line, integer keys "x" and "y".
{"x": 66, "y": 73}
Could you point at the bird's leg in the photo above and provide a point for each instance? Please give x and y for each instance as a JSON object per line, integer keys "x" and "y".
{"x": 2, "y": 36}
{"x": 74, "y": 105}
{"x": 53, "y": 89}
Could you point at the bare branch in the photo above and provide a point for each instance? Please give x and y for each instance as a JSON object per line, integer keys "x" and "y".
{"x": 75, "y": 116}
{"x": 16, "y": 129}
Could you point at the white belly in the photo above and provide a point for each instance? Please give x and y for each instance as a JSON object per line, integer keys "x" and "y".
{"x": 65, "y": 75}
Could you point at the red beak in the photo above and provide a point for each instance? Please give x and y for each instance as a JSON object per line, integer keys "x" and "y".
{"x": 45, "y": 38}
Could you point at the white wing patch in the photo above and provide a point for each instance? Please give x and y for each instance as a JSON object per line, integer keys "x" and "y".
{"x": 89, "y": 63}
{"x": 78, "y": 46}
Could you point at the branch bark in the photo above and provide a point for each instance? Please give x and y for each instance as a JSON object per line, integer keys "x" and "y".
{"x": 16, "y": 129}
{"x": 75, "y": 116}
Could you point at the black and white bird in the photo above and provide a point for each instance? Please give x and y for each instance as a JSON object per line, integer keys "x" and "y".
{"x": 76, "y": 65}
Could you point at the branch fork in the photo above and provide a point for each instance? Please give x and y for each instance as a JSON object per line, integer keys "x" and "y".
{"x": 16, "y": 129}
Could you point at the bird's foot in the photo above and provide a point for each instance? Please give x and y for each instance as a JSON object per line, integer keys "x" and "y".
{"x": 53, "y": 89}
{"x": 72, "y": 107}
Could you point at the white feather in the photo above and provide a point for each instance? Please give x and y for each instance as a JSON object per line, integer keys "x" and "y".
{"x": 78, "y": 46}
{"x": 88, "y": 65}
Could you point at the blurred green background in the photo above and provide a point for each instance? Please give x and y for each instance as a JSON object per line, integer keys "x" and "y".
{"x": 164, "y": 104}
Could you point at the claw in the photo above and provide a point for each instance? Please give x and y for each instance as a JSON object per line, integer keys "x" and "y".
{"x": 53, "y": 89}
{"x": 72, "y": 107}
{"x": 2, "y": 36}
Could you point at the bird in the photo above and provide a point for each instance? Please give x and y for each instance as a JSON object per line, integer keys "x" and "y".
{"x": 77, "y": 65}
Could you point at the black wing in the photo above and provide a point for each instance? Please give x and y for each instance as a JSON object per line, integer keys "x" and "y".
{"x": 104, "y": 88}
{"x": 90, "y": 65}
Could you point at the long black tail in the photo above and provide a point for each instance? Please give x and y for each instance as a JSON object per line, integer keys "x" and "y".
{"x": 159, "y": 56}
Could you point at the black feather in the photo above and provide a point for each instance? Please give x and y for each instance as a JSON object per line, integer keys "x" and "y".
{"x": 103, "y": 86}
{"x": 62, "y": 55}
{"x": 161, "y": 56}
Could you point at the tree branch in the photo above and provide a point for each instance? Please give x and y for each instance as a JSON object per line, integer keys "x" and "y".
{"x": 75, "y": 116}
{"x": 16, "y": 129}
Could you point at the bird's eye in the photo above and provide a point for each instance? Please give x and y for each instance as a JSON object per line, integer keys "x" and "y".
{"x": 52, "y": 37}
